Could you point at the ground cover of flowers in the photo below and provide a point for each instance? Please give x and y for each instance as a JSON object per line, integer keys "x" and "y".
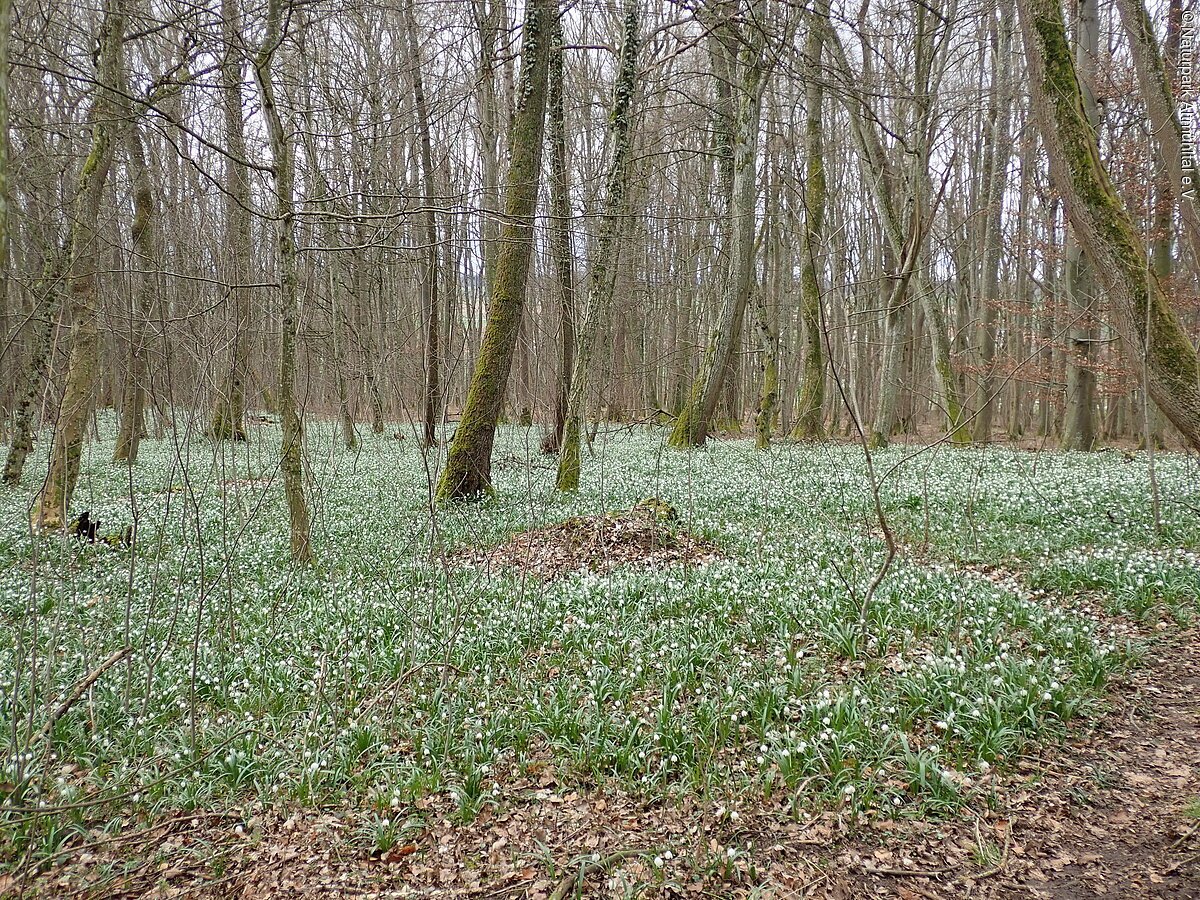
{"x": 388, "y": 673}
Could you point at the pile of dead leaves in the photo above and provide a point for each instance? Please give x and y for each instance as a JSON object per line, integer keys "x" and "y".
{"x": 649, "y": 534}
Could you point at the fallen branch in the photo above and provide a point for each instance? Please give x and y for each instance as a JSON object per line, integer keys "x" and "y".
{"x": 79, "y": 690}
{"x": 1180, "y": 863}
{"x": 1183, "y": 837}
{"x": 563, "y": 888}
{"x": 396, "y": 683}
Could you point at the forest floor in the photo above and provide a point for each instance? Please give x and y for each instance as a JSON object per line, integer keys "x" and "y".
{"x": 736, "y": 691}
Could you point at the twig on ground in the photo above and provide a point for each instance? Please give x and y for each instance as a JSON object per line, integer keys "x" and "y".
{"x": 79, "y": 690}
{"x": 988, "y": 873}
{"x": 1180, "y": 863}
{"x": 1183, "y": 837}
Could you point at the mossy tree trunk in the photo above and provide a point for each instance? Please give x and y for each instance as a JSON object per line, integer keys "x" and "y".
{"x": 431, "y": 395}
{"x": 491, "y": 19}
{"x": 810, "y": 401}
{"x": 83, "y": 249}
{"x": 767, "y": 409}
{"x": 603, "y": 270}
{"x": 229, "y": 410}
{"x": 132, "y": 423}
{"x": 1079, "y": 424}
{"x": 1154, "y": 74}
{"x": 1102, "y": 222}
{"x": 561, "y": 249}
{"x": 468, "y": 467}
{"x": 995, "y": 186}
{"x": 746, "y": 39}
{"x": 291, "y": 453}
{"x": 48, "y": 304}
{"x": 5, "y": 218}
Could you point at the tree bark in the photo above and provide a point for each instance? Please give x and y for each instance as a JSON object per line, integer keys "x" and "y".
{"x": 431, "y": 395}
{"x": 333, "y": 266}
{"x": 83, "y": 249}
{"x": 468, "y": 466}
{"x": 691, "y": 427}
{"x": 1102, "y": 222}
{"x": 1079, "y": 425}
{"x": 291, "y": 453}
{"x": 5, "y": 199}
{"x": 906, "y": 243}
{"x": 132, "y": 423}
{"x": 602, "y": 273}
{"x": 996, "y": 176}
{"x": 229, "y": 411}
{"x": 1154, "y": 81}
{"x": 810, "y": 402}
{"x": 47, "y": 305}
{"x": 561, "y": 249}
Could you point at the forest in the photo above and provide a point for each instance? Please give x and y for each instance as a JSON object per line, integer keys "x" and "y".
{"x": 571, "y": 448}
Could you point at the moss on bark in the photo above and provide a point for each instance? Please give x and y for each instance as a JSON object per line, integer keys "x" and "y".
{"x": 602, "y": 277}
{"x": 810, "y": 401}
{"x": 50, "y": 509}
{"x": 1103, "y": 223}
{"x": 49, "y": 293}
{"x": 467, "y": 473}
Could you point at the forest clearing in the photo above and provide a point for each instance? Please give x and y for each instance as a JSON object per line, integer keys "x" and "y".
{"x": 401, "y": 718}
{"x": 570, "y": 448}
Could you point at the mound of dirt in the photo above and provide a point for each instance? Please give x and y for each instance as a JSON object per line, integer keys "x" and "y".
{"x": 647, "y": 535}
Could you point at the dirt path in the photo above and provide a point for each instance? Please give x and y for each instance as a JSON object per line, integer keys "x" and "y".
{"x": 1118, "y": 825}
{"x": 1103, "y": 817}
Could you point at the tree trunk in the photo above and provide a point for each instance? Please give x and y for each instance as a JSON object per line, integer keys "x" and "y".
{"x": 83, "y": 249}
{"x": 907, "y": 244}
{"x": 47, "y": 305}
{"x": 5, "y": 217}
{"x": 229, "y": 411}
{"x": 1079, "y": 426}
{"x": 810, "y": 402}
{"x": 691, "y": 427}
{"x": 291, "y": 454}
{"x": 561, "y": 250}
{"x": 132, "y": 423}
{"x": 996, "y": 178}
{"x": 602, "y": 274}
{"x": 1155, "y": 81}
{"x": 431, "y": 395}
{"x": 488, "y": 19}
{"x": 468, "y": 467}
{"x": 768, "y": 395}
{"x": 1102, "y": 222}
{"x": 333, "y": 266}
{"x": 889, "y": 377}
{"x": 145, "y": 237}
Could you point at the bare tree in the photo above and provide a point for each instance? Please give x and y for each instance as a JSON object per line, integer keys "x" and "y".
{"x": 602, "y": 272}
{"x": 1102, "y": 221}
{"x": 83, "y": 249}
{"x": 291, "y": 454}
{"x": 468, "y": 467}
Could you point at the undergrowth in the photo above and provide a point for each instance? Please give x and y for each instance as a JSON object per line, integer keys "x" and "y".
{"x": 385, "y": 672}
